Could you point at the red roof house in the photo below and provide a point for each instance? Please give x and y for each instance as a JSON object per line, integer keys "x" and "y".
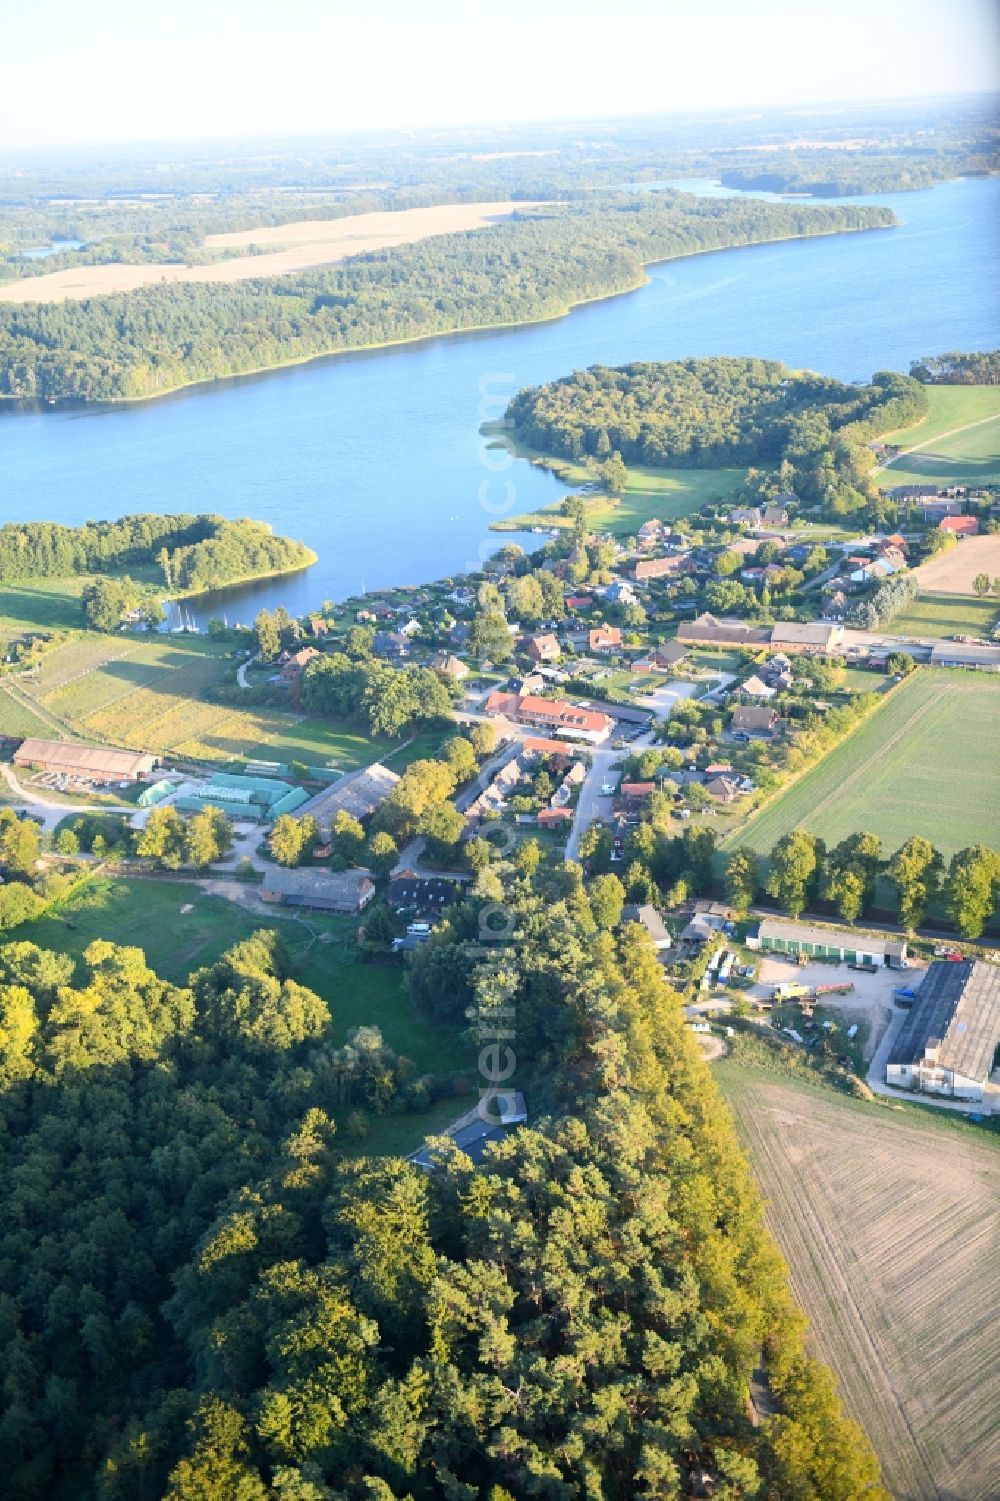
{"x": 960, "y": 526}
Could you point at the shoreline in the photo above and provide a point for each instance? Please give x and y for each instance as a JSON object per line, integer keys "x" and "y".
{"x": 18, "y": 405}
{"x": 248, "y": 578}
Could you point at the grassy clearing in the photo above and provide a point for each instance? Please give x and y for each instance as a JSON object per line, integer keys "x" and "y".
{"x": 924, "y": 763}
{"x": 41, "y": 604}
{"x": 869, "y": 1205}
{"x": 971, "y": 456}
{"x": 147, "y": 914}
{"x": 944, "y": 615}
{"x": 663, "y": 494}
{"x": 17, "y": 719}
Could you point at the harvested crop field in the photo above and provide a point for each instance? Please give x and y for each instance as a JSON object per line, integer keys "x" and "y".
{"x": 924, "y": 763}
{"x": 953, "y": 572}
{"x": 299, "y": 247}
{"x": 889, "y": 1223}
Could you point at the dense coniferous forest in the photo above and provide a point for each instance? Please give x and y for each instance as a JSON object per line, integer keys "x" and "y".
{"x": 192, "y": 552}
{"x": 158, "y": 338}
{"x": 722, "y": 411}
{"x": 204, "y": 1299}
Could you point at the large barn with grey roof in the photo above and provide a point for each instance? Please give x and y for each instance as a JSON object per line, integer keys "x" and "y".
{"x": 949, "y": 1039}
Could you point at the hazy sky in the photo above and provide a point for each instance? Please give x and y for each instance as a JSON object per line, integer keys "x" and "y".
{"x": 133, "y": 70}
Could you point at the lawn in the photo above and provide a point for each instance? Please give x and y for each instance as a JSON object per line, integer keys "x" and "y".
{"x": 869, "y": 1205}
{"x": 663, "y": 494}
{"x": 148, "y": 914}
{"x": 932, "y": 614}
{"x": 41, "y": 604}
{"x": 969, "y": 457}
{"x": 924, "y": 763}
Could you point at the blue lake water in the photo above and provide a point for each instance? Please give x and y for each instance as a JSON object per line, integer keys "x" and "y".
{"x": 376, "y": 460}
{"x": 42, "y": 252}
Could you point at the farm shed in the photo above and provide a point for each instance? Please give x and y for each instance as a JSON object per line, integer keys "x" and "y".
{"x": 97, "y": 761}
{"x": 952, "y": 654}
{"x": 322, "y": 890}
{"x": 812, "y": 636}
{"x": 827, "y": 943}
{"x": 949, "y": 1037}
{"x": 359, "y": 794}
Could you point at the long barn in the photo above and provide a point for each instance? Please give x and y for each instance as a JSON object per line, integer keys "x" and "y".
{"x": 102, "y": 762}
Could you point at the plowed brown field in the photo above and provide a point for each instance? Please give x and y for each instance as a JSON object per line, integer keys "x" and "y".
{"x": 890, "y": 1226}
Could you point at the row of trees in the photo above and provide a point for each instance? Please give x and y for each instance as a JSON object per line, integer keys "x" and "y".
{"x": 192, "y": 552}
{"x": 801, "y": 871}
{"x": 959, "y": 368}
{"x": 538, "y": 265}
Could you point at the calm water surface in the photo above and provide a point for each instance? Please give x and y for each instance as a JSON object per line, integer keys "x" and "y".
{"x": 376, "y": 460}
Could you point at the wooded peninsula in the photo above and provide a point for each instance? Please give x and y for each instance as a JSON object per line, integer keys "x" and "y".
{"x": 538, "y": 266}
{"x": 709, "y": 413}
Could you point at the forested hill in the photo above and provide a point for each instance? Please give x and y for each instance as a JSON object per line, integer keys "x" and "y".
{"x": 191, "y": 552}
{"x": 203, "y": 1299}
{"x": 151, "y": 341}
{"x": 723, "y": 411}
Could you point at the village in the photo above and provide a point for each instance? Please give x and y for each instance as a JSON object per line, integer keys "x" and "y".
{"x": 640, "y": 703}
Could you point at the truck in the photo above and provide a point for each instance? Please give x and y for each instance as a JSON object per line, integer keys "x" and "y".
{"x": 789, "y": 990}
{"x": 904, "y": 995}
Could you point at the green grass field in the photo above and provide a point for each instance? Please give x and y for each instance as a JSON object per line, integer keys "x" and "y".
{"x": 148, "y": 914}
{"x": 970, "y": 456}
{"x": 41, "y": 604}
{"x": 664, "y": 494}
{"x": 947, "y": 615}
{"x": 924, "y": 763}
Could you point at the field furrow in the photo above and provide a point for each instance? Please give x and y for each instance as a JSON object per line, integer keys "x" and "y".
{"x": 890, "y": 1225}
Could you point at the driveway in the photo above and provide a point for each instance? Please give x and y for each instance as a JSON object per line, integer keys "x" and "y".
{"x": 871, "y": 997}
{"x": 50, "y": 812}
{"x": 592, "y": 803}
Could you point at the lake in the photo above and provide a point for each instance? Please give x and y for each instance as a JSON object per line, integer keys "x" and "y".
{"x": 376, "y": 460}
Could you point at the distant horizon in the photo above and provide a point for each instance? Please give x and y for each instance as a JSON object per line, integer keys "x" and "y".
{"x": 114, "y": 73}
{"x": 495, "y": 128}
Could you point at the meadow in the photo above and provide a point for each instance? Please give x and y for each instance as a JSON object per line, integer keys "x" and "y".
{"x": 149, "y": 914}
{"x": 924, "y": 763}
{"x": 888, "y": 1220}
{"x": 943, "y": 615}
{"x": 958, "y": 442}
{"x": 651, "y": 494}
